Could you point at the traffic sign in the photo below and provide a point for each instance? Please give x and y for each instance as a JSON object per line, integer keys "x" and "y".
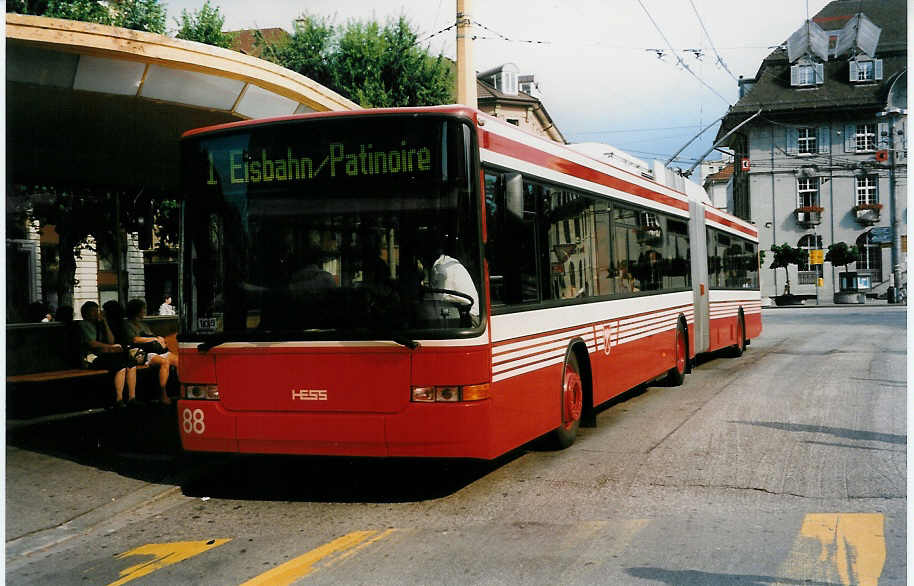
{"x": 816, "y": 256}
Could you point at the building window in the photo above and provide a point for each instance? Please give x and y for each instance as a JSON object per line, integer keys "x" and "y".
{"x": 807, "y": 192}
{"x": 867, "y": 189}
{"x": 513, "y": 121}
{"x": 870, "y": 256}
{"x": 804, "y": 75}
{"x": 865, "y": 137}
{"x": 506, "y": 82}
{"x": 870, "y": 70}
{"x": 806, "y": 140}
{"x": 807, "y": 243}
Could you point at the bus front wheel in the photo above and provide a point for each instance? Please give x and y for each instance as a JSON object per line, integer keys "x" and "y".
{"x": 572, "y": 403}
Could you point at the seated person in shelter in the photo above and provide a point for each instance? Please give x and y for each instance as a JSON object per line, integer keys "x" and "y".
{"x": 446, "y": 272}
{"x": 138, "y": 333}
{"x": 99, "y": 351}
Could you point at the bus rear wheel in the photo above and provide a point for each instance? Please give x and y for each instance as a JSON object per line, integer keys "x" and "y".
{"x": 740, "y": 347}
{"x": 676, "y": 375}
{"x": 572, "y": 403}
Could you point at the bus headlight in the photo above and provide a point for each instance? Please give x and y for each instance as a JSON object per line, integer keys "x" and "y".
{"x": 450, "y": 393}
{"x": 199, "y": 392}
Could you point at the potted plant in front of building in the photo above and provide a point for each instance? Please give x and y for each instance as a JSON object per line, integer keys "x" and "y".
{"x": 784, "y": 256}
{"x": 867, "y": 213}
{"x": 840, "y": 254}
{"x": 809, "y": 215}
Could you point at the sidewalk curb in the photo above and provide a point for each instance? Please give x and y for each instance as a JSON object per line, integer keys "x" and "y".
{"x": 147, "y": 501}
{"x": 837, "y": 305}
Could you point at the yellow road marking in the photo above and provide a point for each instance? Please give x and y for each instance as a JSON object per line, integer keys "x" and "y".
{"x": 303, "y": 565}
{"x": 851, "y": 548}
{"x": 164, "y": 554}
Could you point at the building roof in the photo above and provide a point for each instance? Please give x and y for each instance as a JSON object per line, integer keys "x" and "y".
{"x": 486, "y": 92}
{"x": 771, "y": 90}
{"x": 722, "y": 176}
{"x": 245, "y": 40}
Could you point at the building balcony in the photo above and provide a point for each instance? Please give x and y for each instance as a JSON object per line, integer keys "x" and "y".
{"x": 809, "y": 215}
{"x": 867, "y": 214}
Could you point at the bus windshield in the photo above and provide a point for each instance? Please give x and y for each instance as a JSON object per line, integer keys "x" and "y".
{"x": 363, "y": 227}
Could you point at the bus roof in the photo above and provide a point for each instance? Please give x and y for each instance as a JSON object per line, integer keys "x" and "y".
{"x": 685, "y": 189}
{"x": 453, "y": 109}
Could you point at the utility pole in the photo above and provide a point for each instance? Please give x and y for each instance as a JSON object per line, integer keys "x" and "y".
{"x": 466, "y": 73}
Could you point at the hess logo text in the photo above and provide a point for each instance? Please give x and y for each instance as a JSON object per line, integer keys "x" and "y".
{"x": 309, "y": 394}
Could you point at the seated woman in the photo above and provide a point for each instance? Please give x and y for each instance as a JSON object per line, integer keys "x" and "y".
{"x": 98, "y": 350}
{"x": 139, "y": 333}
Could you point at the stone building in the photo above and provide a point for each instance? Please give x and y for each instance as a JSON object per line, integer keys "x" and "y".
{"x": 502, "y": 92}
{"x": 823, "y": 158}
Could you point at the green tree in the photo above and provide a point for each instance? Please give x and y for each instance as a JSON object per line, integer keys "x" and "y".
{"x": 204, "y": 26}
{"x": 309, "y": 51}
{"x": 784, "y": 256}
{"x": 840, "y": 253}
{"x": 376, "y": 66}
{"x": 140, "y": 15}
{"x": 85, "y": 10}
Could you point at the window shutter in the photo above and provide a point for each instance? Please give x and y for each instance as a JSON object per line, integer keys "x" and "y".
{"x": 794, "y": 75}
{"x": 820, "y": 73}
{"x": 824, "y": 140}
{"x": 877, "y": 67}
{"x": 850, "y": 139}
{"x": 882, "y": 135}
{"x": 853, "y": 70}
{"x": 792, "y": 138}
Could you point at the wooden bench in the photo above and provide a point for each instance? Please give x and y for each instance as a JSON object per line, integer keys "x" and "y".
{"x": 36, "y": 360}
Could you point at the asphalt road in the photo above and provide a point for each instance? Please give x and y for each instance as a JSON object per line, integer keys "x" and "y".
{"x": 784, "y": 466}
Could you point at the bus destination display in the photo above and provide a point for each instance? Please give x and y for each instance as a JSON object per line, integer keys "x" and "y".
{"x": 340, "y": 160}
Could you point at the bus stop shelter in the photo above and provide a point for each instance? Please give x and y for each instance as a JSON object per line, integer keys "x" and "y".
{"x": 106, "y": 105}
{"x": 96, "y": 106}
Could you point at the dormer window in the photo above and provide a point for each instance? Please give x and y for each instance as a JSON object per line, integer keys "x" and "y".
{"x": 503, "y": 78}
{"x": 806, "y": 74}
{"x": 506, "y": 82}
{"x": 862, "y": 70}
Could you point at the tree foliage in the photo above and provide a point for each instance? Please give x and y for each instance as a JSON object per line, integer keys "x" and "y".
{"x": 140, "y": 15}
{"x": 784, "y": 256}
{"x": 376, "y": 66}
{"x": 204, "y": 26}
{"x": 840, "y": 253}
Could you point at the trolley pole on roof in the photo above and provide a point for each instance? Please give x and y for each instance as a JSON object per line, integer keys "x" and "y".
{"x": 466, "y": 73}
{"x": 722, "y": 139}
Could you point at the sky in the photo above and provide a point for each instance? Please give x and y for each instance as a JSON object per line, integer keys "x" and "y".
{"x": 596, "y": 61}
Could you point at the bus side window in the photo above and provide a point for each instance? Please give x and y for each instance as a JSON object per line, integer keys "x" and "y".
{"x": 494, "y": 211}
{"x": 511, "y": 240}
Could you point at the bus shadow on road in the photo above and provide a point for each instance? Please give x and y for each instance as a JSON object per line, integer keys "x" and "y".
{"x": 329, "y": 479}
{"x": 136, "y": 442}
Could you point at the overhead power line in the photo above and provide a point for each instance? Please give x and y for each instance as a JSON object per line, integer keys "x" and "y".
{"x": 679, "y": 60}
{"x": 720, "y": 60}
{"x": 620, "y": 130}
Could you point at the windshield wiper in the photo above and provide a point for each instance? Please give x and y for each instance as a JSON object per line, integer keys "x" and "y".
{"x": 212, "y": 341}
{"x": 411, "y": 344}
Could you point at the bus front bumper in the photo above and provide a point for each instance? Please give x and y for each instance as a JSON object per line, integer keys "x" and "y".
{"x": 433, "y": 430}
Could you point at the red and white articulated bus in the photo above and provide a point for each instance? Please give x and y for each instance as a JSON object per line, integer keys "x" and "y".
{"x": 434, "y": 282}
